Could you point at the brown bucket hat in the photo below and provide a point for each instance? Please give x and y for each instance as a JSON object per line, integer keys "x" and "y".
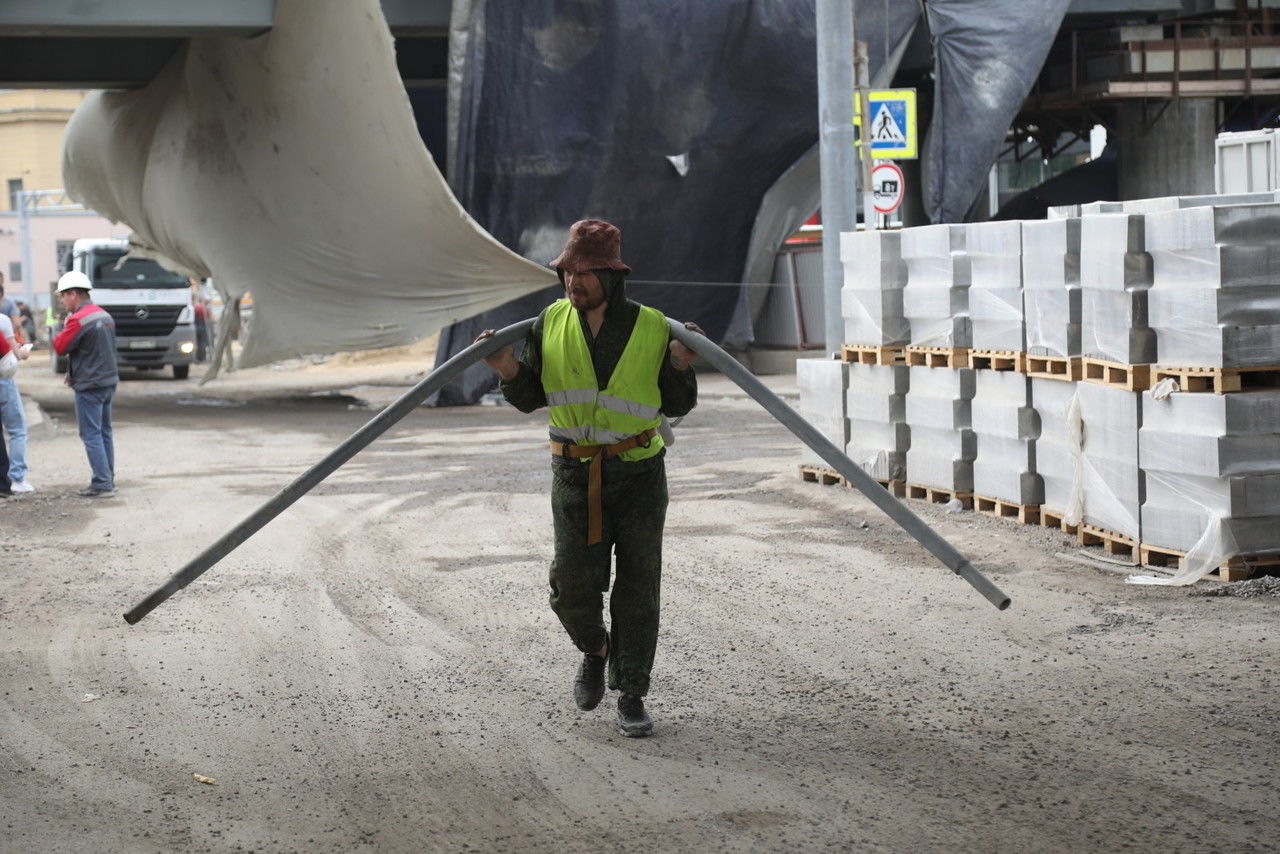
{"x": 593, "y": 245}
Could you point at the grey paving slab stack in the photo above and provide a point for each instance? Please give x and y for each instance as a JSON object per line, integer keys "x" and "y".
{"x": 939, "y": 414}
{"x": 822, "y": 384}
{"x": 935, "y": 299}
{"x": 876, "y": 406}
{"x": 1054, "y": 445}
{"x": 1115, "y": 278}
{"x": 1212, "y": 469}
{"x": 871, "y": 298}
{"x": 1051, "y": 286}
{"x": 1110, "y": 481}
{"x": 995, "y": 289}
{"x": 1005, "y": 427}
{"x": 1215, "y": 298}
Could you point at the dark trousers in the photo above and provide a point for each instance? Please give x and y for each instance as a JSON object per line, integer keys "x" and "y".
{"x": 635, "y": 511}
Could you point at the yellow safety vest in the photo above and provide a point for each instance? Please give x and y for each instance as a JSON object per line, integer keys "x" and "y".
{"x": 579, "y": 411}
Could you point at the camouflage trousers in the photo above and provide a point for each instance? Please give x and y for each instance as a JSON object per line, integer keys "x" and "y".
{"x": 635, "y": 510}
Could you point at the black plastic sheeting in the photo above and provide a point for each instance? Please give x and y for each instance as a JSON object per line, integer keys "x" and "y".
{"x": 570, "y": 109}
{"x": 987, "y": 55}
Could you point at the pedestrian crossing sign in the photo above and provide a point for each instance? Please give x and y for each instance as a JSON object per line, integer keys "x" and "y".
{"x": 893, "y": 123}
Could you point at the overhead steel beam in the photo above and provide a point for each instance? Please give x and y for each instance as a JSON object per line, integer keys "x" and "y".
{"x": 151, "y": 18}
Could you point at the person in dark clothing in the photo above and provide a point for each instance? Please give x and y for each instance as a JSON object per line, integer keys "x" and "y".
{"x": 609, "y": 373}
{"x": 89, "y": 343}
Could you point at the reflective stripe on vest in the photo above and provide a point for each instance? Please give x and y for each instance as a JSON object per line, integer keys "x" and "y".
{"x": 579, "y": 411}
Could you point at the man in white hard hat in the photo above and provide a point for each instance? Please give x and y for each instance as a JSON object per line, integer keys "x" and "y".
{"x": 89, "y": 342}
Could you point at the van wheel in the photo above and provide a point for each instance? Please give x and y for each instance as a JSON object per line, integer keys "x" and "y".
{"x": 180, "y": 371}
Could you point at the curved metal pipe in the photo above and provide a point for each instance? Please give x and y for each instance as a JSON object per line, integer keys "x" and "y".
{"x": 305, "y": 482}
{"x": 411, "y": 399}
{"x": 807, "y": 433}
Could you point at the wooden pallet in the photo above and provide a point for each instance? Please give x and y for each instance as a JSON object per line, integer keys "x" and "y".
{"x": 939, "y": 496}
{"x": 1235, "y": 569}
{"x": 1068, "y": 368}
{"x": 860, "y": 354}
{"x": 1117, "y": 374}
{"x": 1053, "y": 519}
{"x": 998, "y": 360}
{"x": 1027, "y": 514}
{"x": 1112, "y": 543}
{"x": 820, "y": 475}
{"x": 938, "y": 357}
{"x": 1221, "y": 380}
{"x": 827, "y": 477}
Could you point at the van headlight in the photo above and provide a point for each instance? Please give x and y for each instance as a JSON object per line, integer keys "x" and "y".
{"x": 187, "y": 314}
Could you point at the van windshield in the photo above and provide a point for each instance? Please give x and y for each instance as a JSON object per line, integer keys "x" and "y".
{"x": 133, "y": 273}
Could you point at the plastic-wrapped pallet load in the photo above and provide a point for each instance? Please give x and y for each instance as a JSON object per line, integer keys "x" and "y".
{"x": 936, "y": 297}
{"x": 822, "y": 384}
{"x": 1051, "y": 286}
{"x": 995, "y": 290}
{"x": 1115, "y": 278}
{"x": 871, "y": 299}
{"x": 1056, "y": 453}
{"x": 939, "y": 415}
{"x": 878, "y": 432}
{"x": 1107, "y": 490}
{"x": 1212, "y": 468}
{"x": 1214, "y": 300}
{"x": 1006, "y": 427}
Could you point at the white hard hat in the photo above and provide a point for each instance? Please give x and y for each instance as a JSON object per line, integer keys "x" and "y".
{"x": 74, "y": 279}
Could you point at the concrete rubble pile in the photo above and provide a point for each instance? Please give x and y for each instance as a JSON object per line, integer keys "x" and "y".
{"x": 935, "y": 298}
{"x": 1177, "y": 283}
{"x": 995, "y": 290}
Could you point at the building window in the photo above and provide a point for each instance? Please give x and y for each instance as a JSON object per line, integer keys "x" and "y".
{"x": 15, "y": 271}
{"x": 15, "y": 187}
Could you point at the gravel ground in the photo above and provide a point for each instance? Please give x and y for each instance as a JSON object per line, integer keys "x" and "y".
{"x": 378, "y": 667}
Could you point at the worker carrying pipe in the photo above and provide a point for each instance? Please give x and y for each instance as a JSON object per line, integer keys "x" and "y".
{"x": 608, "y": 371}
{"x": 567, "y": 355}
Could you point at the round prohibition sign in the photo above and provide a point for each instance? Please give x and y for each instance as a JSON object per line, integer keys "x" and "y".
{"x": 887, "y": 186}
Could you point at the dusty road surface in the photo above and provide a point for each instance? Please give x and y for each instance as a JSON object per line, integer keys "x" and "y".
{"x": 378, "y": 668}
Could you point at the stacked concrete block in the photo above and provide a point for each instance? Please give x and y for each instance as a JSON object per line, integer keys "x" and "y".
{"x": 1055, "y": 445}
{"x": 1214, "y": 301}
{"x": 939, "y": 414}
{"x": 1115, "y": 278}
{"x": 1212, "y": 469}
{"x": 822, "y": 384}
{"x": 1006, "y": 427}
{"x": 936, "y": 297}
{"x": 1051, "y": 286}
{"x": 995, "y": 290}
{"x": 871, "y": 298}
{"x": 878, "y": 433}
{"x": 1110, "y": 481}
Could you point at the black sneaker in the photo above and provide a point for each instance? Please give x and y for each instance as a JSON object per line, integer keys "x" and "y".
{"x": 633, "y": 720}
{"x": 96, "y": 492}
{"x": 588, "y": 685}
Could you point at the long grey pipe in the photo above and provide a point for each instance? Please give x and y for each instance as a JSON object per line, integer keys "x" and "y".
{"x": 308, "y": 480}
{"x": 881, "y": 497}
{"x": 437, "y": 379}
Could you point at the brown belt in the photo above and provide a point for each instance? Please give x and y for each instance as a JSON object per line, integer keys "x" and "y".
{"x": 595, "y": 477}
